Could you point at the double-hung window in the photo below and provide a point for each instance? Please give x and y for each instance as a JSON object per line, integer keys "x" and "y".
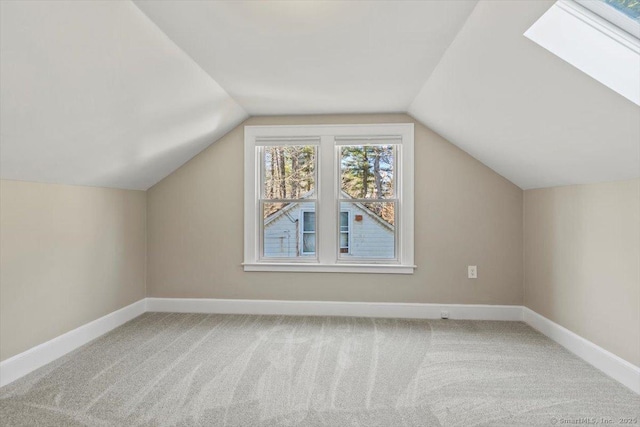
{"x": 335, "y": 198}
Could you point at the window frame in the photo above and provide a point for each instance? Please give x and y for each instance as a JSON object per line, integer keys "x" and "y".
{"x": 327, "y": 197}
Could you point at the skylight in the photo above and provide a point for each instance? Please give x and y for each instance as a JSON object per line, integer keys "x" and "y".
{"x": 631, "y": 8}
{"x": 597, "y": 38}
{"x": 625, "y": 14}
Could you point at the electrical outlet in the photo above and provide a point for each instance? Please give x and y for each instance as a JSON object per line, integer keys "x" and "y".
{"x": 444, "y": 314}
{"x": 472, "y": 271}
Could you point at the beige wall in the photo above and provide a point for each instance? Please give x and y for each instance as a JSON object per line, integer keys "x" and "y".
{"x": 68, "y": 255}
{"x": 62, "y": 244}
{"x": 465, "y": 214}
{"x": 582, "y": 261}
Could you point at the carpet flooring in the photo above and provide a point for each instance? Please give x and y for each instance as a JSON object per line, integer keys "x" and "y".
{"x": 165, "y": 369}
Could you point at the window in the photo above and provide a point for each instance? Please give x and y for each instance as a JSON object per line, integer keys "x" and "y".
{"x": 329, "y": 198}
{"x": 631, "y": 8}
{"x": 599, "y": 37}
{"x": 625, "y": 14}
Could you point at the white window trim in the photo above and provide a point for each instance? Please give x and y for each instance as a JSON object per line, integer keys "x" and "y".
{"x": 327, "y": 252}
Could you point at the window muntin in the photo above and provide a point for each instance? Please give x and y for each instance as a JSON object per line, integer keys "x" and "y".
{"x": 332, "y": 235}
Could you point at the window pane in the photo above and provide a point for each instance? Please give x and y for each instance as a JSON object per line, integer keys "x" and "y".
{"x": 283, "y": 235}
{"x": 344, "y": 240}
{"x": 372, "y": 230}
{"x": 309, "y": 243}
{"x": 309, "y": 223}
{"x": 344, "y": 221}
{"x": 367, "y": 171}
{"x": 289, "y": 171}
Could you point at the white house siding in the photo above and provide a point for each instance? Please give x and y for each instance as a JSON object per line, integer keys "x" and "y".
{"x": 281, "y": 235}
{"x": 369, "y": 238}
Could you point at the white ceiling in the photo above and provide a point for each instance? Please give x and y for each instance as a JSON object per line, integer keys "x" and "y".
{"x": 314, "y": 57}
{"x": 93, "y": 93}
{"x": 523, "y": 111}
{"x": 100, "y": 93}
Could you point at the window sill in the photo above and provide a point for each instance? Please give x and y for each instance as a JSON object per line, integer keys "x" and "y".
{"x": 333, "y": 268}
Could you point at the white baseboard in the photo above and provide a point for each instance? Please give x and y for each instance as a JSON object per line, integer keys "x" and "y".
{"x": 335, "y": 308}
{"x": 612, "y": 365}
{"x": 32, "y": 359}
{"x": 38, "y": 356}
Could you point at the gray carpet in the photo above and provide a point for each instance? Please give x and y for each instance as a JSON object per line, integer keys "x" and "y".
{"x": 212, "y": 370}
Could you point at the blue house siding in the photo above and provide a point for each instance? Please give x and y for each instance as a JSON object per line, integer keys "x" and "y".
{"x": 369, "y": 237}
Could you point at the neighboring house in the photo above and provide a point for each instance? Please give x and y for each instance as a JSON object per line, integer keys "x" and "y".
{"x": 290, "y": 232}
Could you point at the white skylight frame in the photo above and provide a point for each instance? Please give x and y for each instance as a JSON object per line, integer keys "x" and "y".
{"x": 592, "y": 44}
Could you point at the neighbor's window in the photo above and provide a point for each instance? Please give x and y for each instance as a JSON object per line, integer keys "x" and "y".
{"x": 308, "y": 233}
{"x": 329, "y": 198}
{"x": 344, "y": 232}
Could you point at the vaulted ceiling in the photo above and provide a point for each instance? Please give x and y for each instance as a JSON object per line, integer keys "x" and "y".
{"x": 120, "y": 94}
{"x": 92, "y": 93}
{"x": 523, "y": 111}
{"x": 314, "y": 57}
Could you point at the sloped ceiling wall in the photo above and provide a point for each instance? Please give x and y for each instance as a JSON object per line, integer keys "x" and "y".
{"x": 523, "y": 111}
{"x": 93, "y": 93}
{"x": 284, "y": 57}
{"x": 120, "y": 94}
